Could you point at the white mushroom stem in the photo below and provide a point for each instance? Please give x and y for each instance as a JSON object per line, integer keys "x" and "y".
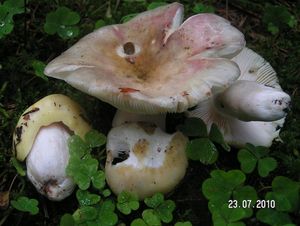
{"x": 141, "y": 158}
{"x": 47, "y": 162}
{"x": 122, "y": 117}
{"x": 251, "y": 101}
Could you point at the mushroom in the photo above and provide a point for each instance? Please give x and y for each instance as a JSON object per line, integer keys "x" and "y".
{"x": 143, "y": 159}
{"x": 41, "y": 137}
{"x": 151, "y": 65}
{"x": 251, "y": 110}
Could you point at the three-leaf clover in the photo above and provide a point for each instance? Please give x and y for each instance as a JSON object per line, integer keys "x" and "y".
{"x": 86, "y": 198}
{"x": 250, "y": 156}
{"x": 7, "y": 10}
{"x": 63, "y": 22}
{"x": 224, "y": 186}
{"x": 82, "y": 167}
{"x": 107, "y": 216}
{"x": 25, "y": 204}
{"x": 162, "y": 208}
{"x": 202, "y": 148}
{"x": 127, "y": 201}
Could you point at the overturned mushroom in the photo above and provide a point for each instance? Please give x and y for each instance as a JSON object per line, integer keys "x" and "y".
{"x": 143, "y": 159}
{"x": 252, "y": 109}
{"x": 153, "y": 63}
{"x": 41, "y": 137}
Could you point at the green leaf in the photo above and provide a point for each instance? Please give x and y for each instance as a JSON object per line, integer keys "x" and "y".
{"x": 85, "y": 213}
{"x": 165, "y": 210}
{"x": 85, "y": 198}
{"x": 38, "y": 67}
{"x": 107, "y": 217}
{"x": 154, "y": 5}
{"x": 106, "y": 193}
{"x": 193, "y": 127}
{"x": 216, "y": 136}
{"x": 82, "y": 170}
{"x": 94, "y": 139}
{"x": 25, "y": 204}
{"x": 273, "y": 217}
{"x": 66, "y": 32}
{"x": 201, "y": 8}
{"x": 138, "y": 222}
{"x": 202, "y": 149}
{"x": 67, "y": 220}
{"x": 128, "y": 17}
{"x": 247, "y": 159}
{"x": 99, "y": 24}
{"x": 266, "y": 165}
{"x": 289, "y": 188}
{"x": 77, "y": 147}
{"x": 98, "y": 179}
{"x": 127, "y": 202}
{"x": 155, "y": 200}
{"x": 186, "y": 223}
{"x": 18, "y": 166}
{"x": 219, "y": 188}
{"x": 151, "y": 218}
{"x": 62, "y": 21}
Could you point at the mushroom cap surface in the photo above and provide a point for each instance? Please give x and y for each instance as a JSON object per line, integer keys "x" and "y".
{"x": 258, "y": 111}
{"x": 153, "y": 63}
{"x": 48, "y": 110}
{"x": 141, "y": 158}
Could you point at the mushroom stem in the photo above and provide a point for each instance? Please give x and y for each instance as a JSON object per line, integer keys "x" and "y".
{"x": 122, "y": 117}
{"x": 47, "y": 161}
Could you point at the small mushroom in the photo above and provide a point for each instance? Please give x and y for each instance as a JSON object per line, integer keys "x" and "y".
{"x": 251, "y": 110}
{"x": 143, "y": 159}
{"x": 41, "y": 137}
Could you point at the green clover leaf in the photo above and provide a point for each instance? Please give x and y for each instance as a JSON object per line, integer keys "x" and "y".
{"x": 273, "y": 217}
{"x": 283, "y": 186}
{"x": 202, "y": 8}
{"x": 63, "y": 22}
{"x": 77, "y": 147}
{"x": 163, "y": 209}
{"x": 252, "y": 156}
{"x": 38, "y": 67}
{"x": 193, "y": 127}
{"x": 126, "y": 202}
{"x": 98, "y": 179}
{"x": 229, "y": 216}
{"x": 219, "y": 188}
{"x": 216, "y": 136}
{"x": 202, "y": 149}
{"x": 7, "y": 10}
{"x": 67, "y": 220}
{"x": 186, "y": 223}
{"x": 85, "y": 213}
{"x": 151, "y": 218}
{"x": 155, "y": 200}
{"x": 85, "y": 198}
{"x": 94, "y": 139}
{"x": 25, "y": 204}
{"x": 107, "y": 216}
{"x": 138, "y": 222}
{"x": 82, "y": 170}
